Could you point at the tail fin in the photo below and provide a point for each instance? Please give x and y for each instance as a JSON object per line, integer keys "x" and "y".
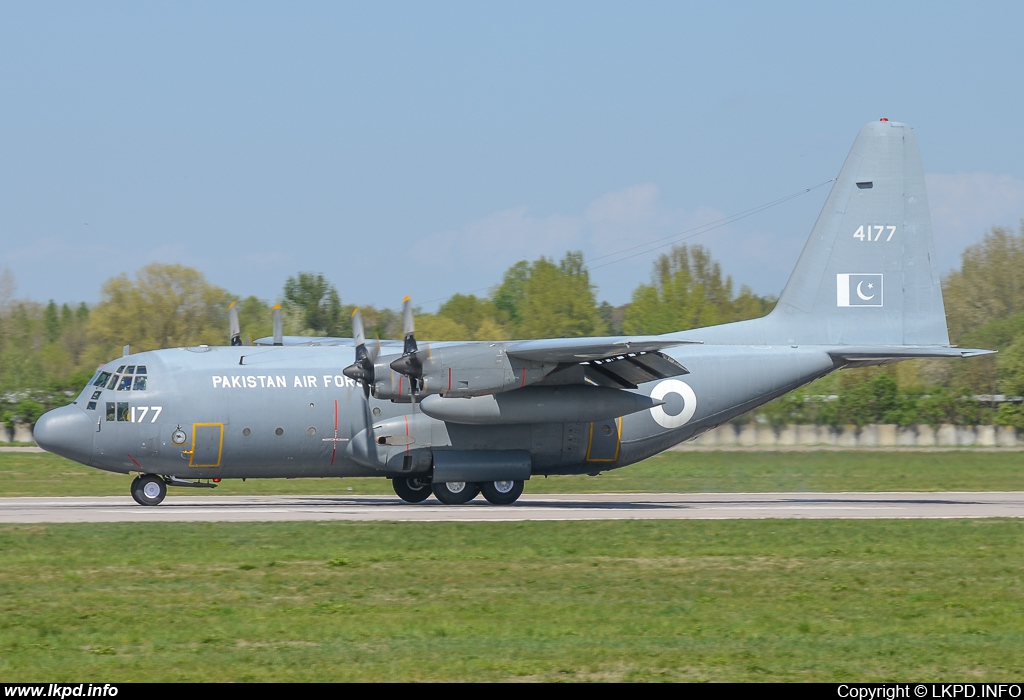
{"x": 867, "y": 274}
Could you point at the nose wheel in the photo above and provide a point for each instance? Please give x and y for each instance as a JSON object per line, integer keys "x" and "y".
{"x": 149, "y": 489}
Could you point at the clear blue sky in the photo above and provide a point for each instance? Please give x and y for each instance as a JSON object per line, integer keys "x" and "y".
{"x": 424, "y": 147}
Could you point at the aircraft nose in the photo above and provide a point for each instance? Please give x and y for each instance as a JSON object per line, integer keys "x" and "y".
{"x": 66, "y": 431}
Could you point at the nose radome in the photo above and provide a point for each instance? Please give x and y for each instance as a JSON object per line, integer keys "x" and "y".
{"x": 66, "y": 431}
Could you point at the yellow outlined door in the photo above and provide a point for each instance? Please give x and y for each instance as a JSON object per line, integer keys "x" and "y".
{"x": 207, "y": 444}
{"x": 603, "y": 445}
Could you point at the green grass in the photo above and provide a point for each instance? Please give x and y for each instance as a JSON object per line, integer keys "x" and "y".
{"x": 24, "y": 474}
{"x": 644, "y": 600}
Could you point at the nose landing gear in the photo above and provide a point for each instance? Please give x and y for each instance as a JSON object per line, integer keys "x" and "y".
{"x": 149, "y": 489}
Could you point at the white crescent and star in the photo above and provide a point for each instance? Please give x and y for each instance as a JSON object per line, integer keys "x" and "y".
{"x": 861, "y": 293}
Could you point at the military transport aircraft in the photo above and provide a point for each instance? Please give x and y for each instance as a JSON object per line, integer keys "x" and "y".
{"x": 459, "y": 418}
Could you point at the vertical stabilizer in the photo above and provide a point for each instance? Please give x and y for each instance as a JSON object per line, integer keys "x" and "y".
{"x": 867, "y": 274}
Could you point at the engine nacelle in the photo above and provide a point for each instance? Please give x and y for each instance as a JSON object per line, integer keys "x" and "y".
{"x": 401, "y": 444}
{"x": 389, "y": 384}
{"x": 456, "y": 370}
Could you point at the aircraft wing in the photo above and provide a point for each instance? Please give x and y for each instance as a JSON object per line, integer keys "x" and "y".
{"x": 323, "y": 341}
{"x": 585, "y": 349}
{"x": 305, "y": 340}
{"x": 620, "y": 363}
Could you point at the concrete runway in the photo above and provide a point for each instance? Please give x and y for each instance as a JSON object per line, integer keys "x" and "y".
{"x": 702, "y": 506}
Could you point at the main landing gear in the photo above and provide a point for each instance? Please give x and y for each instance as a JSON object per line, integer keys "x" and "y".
{"x": 502, "y": 493}
{"x": 149, "y": 489}
{"x": 454, "y": 493}
{"x": 412, "y": 489}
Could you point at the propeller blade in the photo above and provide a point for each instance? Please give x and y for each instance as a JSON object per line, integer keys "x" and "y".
{"x": 358, "y": 334}
{"x": 408, "y": 327}
{"x": 236, "y": 329}
{"x": 409, "y": 363}
{"x": 362, "y": 369}
{"x": 278, "y": 326}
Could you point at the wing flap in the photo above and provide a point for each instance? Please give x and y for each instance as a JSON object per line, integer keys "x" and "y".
{"x": 629, "y": 371}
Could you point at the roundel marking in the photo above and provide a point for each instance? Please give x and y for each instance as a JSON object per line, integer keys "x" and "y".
{"x": 674, "y": 386}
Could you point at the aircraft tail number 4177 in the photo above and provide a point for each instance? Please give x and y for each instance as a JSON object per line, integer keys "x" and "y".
{"x": 457, "y": 419}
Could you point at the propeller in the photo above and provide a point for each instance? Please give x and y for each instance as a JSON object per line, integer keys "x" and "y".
{"x": 278, "y": 326}
{"x": 362, "y": 369}
{"x": 409, "y": 363}
{"x": 236, "y": 329}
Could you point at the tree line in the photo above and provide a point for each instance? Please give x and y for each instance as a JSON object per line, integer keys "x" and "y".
{"x": 48, "y": 352}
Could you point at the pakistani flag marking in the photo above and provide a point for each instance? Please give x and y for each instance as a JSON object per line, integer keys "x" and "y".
{"x": 858, "y": 289}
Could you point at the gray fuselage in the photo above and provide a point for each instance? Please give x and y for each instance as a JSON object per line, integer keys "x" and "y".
{"x": 249, "y": 412}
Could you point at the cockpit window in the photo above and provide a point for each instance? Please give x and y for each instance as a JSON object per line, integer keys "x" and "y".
{"x": 130, "y": 378}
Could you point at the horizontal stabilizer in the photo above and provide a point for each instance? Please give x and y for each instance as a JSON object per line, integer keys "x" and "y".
{"x": 903, "y": 352}
{"x": 882, "y": 354}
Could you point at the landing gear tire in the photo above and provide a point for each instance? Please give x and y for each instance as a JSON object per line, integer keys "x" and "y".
{"x": 455, "y": 493}
{"x": 412, "y": 489}
{"x": 502, "y": 493}
{"x": 149, "y": 490}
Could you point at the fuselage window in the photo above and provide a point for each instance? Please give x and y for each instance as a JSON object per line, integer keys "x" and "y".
{"x": 130, "y": 370}
{"x": 140, "y": 382}
{"x": 126, "y": 383}
{"x": 101, "y": 381}
{"x": 141, "y": 369}
{"x": 111, "y": 415}
{"x": 96, "y": 394}
{"x": 91, "y": 406}
{"x": 120, "y": 369}
{"x": 122, "y": 411}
